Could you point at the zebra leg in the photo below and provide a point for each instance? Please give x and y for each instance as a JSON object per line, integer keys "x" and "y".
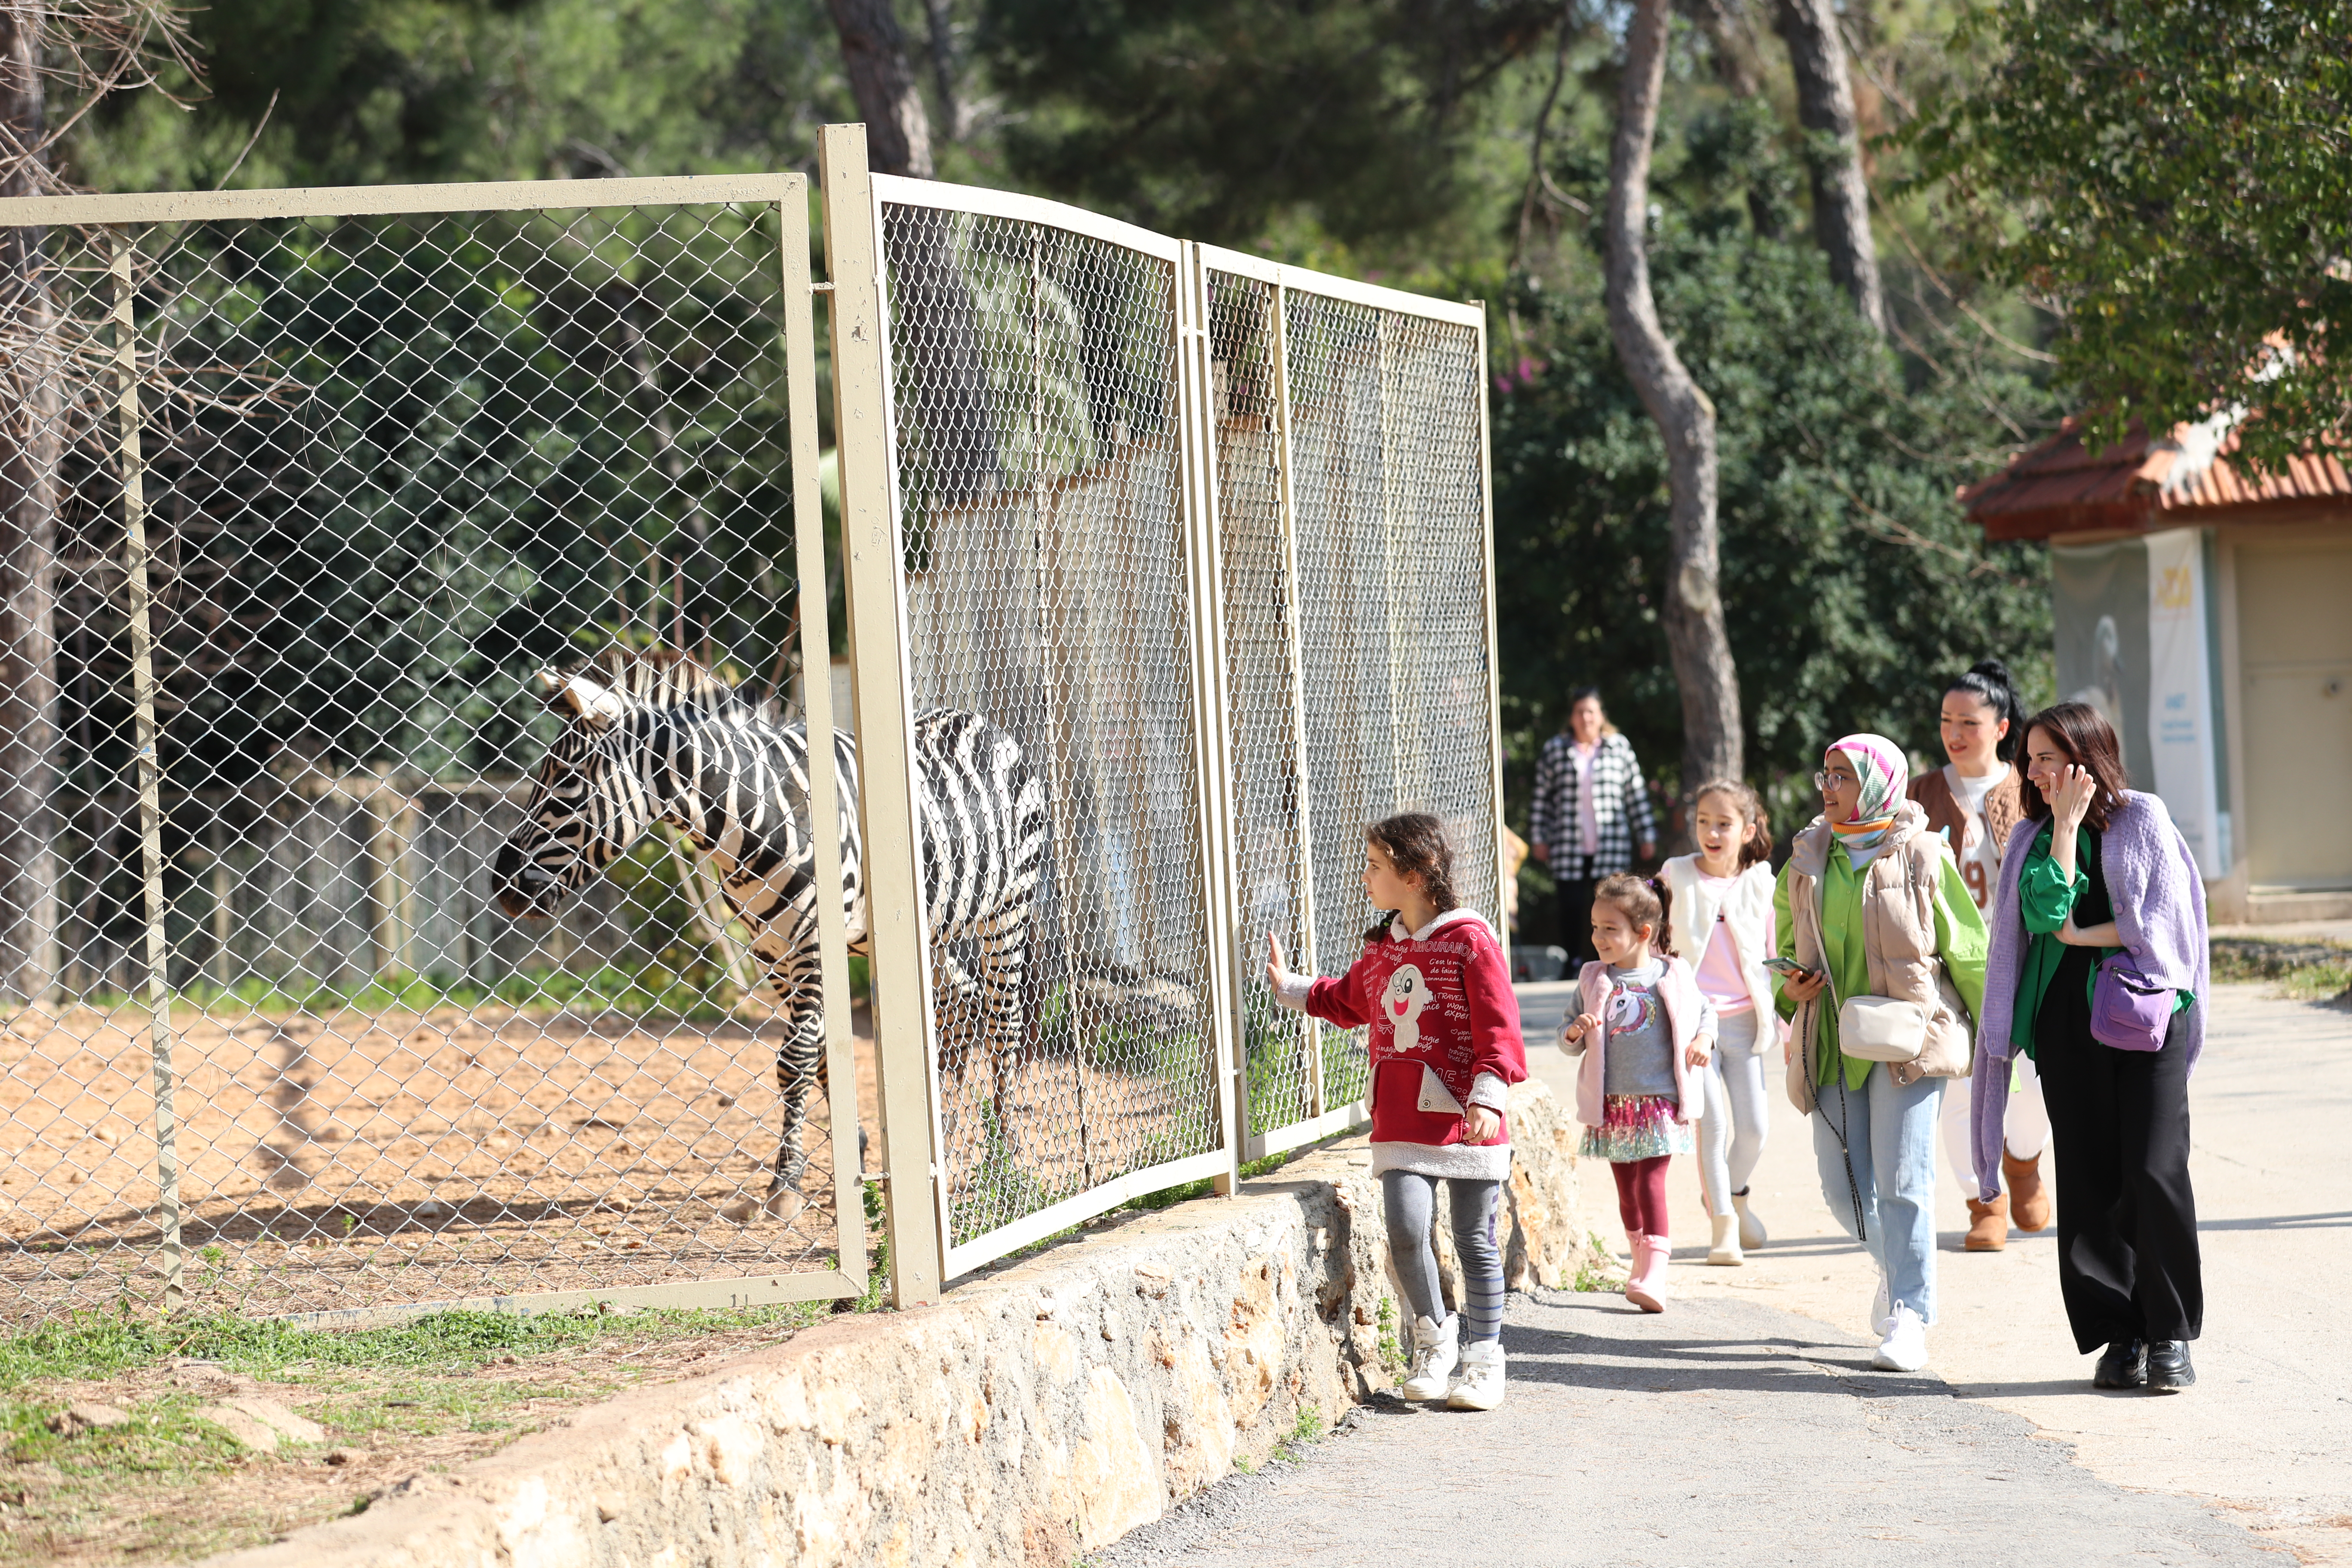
{"x": 799, "y": 1062}
{"x": 1003, "y": 1027}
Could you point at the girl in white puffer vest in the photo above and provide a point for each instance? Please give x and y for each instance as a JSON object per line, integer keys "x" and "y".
{"x": 1721, "y": 903}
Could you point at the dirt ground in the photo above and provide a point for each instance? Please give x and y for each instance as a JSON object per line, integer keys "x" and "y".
{"x": 367, "y": 1158}
{"x": 356, "y": 1159}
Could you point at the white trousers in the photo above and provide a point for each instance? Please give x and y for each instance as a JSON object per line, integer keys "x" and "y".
{"x": 2025, "y": 1129}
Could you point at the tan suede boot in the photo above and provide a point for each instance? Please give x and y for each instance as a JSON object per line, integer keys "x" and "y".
{"x": 2029, "y": 1200}
{"x": 1988, "y": 1225}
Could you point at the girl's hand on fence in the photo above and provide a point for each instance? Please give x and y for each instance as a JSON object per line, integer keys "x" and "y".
{"x": 1701, "y": 1049}
{"x": 1575, "y": 1028}
{"x": 1275, "y": 966}
{"x": 1480, "y": 1123}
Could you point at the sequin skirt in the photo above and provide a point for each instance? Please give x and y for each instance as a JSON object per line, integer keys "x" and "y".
{"x": 1637, "y": 1127}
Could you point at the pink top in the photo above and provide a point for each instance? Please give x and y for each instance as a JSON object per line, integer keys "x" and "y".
{"x": 1588, "y": 819}
{"x": 1719, "y": 980}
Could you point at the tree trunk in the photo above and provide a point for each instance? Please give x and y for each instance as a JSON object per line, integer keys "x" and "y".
{"x": 943, "y": 65}
{"x": 1825, "y": 108}
{"x": 1712, "y": 744}
{"x": 29, "y": 416}
{"x": 874, "y": 51}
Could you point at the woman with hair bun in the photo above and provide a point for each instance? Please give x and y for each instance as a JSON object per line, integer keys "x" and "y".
{"x": 2098, "y": 971}
{"x": 1972, "y": 801}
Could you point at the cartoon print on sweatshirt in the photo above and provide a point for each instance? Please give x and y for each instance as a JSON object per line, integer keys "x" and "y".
{"x": 1407, "y": 994}
{"x": 1632, "y": 1008}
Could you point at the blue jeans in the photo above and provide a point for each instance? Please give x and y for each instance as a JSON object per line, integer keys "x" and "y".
{"x": 1891, "y": 1131}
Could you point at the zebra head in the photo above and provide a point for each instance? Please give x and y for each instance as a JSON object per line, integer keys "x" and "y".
{"x": 579, "y": 819}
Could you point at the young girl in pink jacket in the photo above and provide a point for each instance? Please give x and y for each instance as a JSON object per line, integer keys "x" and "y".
{"x": 1645, "y": 1032}
{"x": 1435, "y": 993}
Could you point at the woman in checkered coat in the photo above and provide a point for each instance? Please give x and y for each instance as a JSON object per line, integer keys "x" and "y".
{"x": 1591, "y": 812}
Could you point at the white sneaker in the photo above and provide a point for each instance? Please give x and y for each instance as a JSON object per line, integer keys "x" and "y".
{"x": 1905, "y": 1348}
{"x": 1435, "y": 1353}
{"x": 1479, "y": 1385}
{"x": 1724, "y": 1251}
{"x": 1881, "y": 1306}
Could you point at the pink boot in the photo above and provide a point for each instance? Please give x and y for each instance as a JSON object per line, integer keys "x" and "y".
{"x": 1647, "y": 1288}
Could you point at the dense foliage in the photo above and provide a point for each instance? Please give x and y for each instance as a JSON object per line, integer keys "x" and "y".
{"x": 2171, "y": 176}
{"x": 1389, "y": 138}
{"x": 1852, "y": 585}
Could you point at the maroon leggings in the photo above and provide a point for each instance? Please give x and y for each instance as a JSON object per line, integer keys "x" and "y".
{"x": 1642, "y": 1193}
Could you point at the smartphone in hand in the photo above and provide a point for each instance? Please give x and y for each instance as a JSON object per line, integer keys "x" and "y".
{"x": 1789, "y": 967}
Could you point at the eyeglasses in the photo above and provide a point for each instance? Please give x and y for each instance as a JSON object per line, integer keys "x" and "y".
{"x": 1823, "y": 781}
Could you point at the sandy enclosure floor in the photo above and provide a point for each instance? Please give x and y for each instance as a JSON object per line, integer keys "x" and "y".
{"x": 364, "y": 1159}
{"x": 359, "y": 1159}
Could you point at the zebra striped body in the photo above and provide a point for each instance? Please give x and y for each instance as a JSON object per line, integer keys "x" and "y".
{"x": 655, "y": 738}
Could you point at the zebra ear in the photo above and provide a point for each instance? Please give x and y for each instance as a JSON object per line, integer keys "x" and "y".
{"x": 583, "y": 699}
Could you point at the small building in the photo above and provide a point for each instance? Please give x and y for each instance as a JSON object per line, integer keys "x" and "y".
{"x": 2208, "y": 612}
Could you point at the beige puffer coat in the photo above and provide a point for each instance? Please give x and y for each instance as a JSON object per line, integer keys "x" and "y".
{"x": 1898, "y": 923}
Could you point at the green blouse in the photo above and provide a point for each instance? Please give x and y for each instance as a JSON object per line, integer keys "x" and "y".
{"x": 2046, "y": 897}
{"x": 1959, "y": 942}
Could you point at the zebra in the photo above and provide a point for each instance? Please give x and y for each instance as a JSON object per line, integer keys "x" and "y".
{"x": 657, "y": 737}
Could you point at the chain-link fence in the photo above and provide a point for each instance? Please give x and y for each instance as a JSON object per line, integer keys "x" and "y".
{"x": 369, "y": 565}
{"x": 409, "y": 888}
{"x": 1038, "y": 424}
{"x": 1350, "y": 444}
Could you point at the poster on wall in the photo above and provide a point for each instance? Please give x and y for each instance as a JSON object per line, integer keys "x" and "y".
{"x": 2179, "y": 710}
{"x": 2100, "y": 596}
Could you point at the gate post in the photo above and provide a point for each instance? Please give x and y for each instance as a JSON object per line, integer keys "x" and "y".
{"x": 873, "y": 556}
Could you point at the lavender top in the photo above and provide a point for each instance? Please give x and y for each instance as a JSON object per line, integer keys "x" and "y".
{"x": 2159, "y": 901}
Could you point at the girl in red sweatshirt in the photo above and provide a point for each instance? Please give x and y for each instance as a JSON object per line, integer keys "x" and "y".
{"x": 1436, "y": 992}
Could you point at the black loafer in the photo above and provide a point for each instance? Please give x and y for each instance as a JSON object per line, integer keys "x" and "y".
{"x": 2125, "y": 1365}
{"x": 2167, "y": 1366}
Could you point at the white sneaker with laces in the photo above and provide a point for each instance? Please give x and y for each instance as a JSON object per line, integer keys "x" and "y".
{"x": 1479, "y": 1385}
{"x": 1435, "y": 1353}
{"x": 1905, "y": 1348}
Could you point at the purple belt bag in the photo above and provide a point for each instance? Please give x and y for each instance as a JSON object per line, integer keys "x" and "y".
{"x": 2129, "y": 1010}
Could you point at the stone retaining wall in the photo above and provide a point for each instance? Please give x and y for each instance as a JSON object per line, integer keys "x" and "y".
{"x": 1043, "y": 1409}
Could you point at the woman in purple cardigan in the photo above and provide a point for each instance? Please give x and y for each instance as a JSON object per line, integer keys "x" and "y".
{"x": 2096, "y": 870}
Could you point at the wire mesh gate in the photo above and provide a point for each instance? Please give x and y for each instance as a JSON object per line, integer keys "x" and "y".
{"x": 1204, "y": 544}
{"x": 1347, "y": 427}
{"x": 317, "y": 504}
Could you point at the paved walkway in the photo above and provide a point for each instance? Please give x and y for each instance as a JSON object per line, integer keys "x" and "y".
{"x": 2264, "y": 1442}
{"x": 1722, "y": 1433}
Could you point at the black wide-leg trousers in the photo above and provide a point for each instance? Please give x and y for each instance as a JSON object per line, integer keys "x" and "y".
{"x": 2127, "y": 1257}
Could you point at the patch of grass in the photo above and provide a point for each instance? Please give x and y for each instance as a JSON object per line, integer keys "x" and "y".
{"x": 92, "y": 1346}
{"x": 1392, "y": 1354}
{"x": 1596, "y": 1273}
{"x": 1304, "y": 1432}
{"x": 2304, "y": 970}
{"x": 167, "y": 1485}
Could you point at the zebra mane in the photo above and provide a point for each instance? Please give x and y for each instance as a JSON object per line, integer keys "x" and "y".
{"x": 664, "y": 681}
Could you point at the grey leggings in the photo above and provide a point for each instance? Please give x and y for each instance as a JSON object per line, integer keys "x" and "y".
{"x": 1409, "y": 1202}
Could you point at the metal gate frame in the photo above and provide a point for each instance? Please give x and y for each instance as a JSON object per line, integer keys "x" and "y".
{"x": 787, "y": 193}
{"x": 881, "y": 664}
{"x": 1324, "y": 1117}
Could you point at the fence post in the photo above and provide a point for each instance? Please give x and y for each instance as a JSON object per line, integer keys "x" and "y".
{"x": 1310, "y": 1030}
{"x": 872, "y": 560}
{"x": 1212, "y": 702}
{"x": 814, "y": 613}
{"x": 151, "y": 824}
{"x": 1494, "y": 668}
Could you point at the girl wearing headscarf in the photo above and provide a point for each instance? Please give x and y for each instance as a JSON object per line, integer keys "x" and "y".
{"x": 1870, "y": 904}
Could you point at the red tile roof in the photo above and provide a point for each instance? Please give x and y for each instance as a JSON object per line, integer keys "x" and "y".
{"x": 2138, "y": 485}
